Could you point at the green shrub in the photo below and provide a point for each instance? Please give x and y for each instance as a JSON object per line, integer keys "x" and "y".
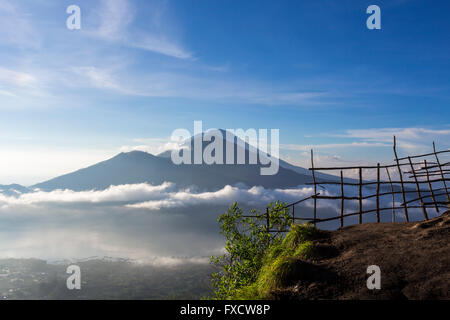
{"x": 247, "y": 241}
{"x": 256, "y": 261}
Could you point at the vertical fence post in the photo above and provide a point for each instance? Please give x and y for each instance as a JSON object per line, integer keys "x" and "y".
{"x": 342, "y": 199}
{"x": 440, "y": 169}
{"x": 360, "y": 195}
{"x": 293, "y": 214}
{"x": 424, "y": 210}
{"x": 401, "y": 180}
{"x": 429, "y": 186}
{"x": 378, "y": 192}
{"x": 393, "y": 194}
{"x": 315, "y": 186}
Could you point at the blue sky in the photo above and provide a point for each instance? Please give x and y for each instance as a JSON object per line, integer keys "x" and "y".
{"x": 137, "y": 70}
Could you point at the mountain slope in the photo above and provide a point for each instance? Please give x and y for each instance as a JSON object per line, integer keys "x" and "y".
{"x": 13, "y": 189}
{"x": 139, "y": 167}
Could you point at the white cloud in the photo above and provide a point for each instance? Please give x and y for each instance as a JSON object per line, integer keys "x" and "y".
{"x": 16, "y": 78}
{"x": 121, "y": 193}
{"x": 25, "y": 85}
{"x": 298, "y": 147}
{"x": 369, "y": 147}
{"x": 413, "y": 138}
{"x": 154, "y": 146}
{"x": 160, "y": 45}
{"x": 15, "y": 26}
{"x": 99, "y": 78}
{"x": 17, "y": 83}
{"x": 178, "y": 85}
{"x": 226, "y": 196}
{"x": 129, "y": 220}
{"x": 145, "y": 196}
{"x": 116, "y": 18}
{"x": 7, "y": 94}
{"x": 165, "y": 196}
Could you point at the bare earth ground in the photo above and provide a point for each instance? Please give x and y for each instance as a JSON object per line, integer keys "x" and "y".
{"x": 414, "y": 259}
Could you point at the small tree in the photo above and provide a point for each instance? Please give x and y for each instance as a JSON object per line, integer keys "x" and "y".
{"x": 247, "y": 239}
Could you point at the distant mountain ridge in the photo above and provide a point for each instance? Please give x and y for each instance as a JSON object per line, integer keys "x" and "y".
{"x": 13, "y": 189}
{"x": 141, "y": 167}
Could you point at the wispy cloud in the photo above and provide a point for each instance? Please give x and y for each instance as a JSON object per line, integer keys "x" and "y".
{"x": 60, "y": 75}
{"x": 98, "y": 78}
{"x": 160, "y": 45}
{"x": 412, "y": 138}
{"x": 179, "y": 85}
{"x": 15, "y": 83}
{"x": 298, "y": 147}
{"x": 16, "y": 27}
{"x": 16, "y": 78}
{"x": 116, "y": 18}
{"x": 357, "y": 146}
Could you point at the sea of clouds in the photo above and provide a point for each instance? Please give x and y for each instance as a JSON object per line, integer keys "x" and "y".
{"x": 145, "y": 222}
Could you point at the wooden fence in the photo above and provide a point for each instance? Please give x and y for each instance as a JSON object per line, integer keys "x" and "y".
{"x": 429, "y": 179}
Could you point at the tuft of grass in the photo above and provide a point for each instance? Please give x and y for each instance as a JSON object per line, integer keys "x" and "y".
{"x": 281, "y": 263}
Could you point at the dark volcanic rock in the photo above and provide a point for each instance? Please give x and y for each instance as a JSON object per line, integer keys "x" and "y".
{"x": 414, "y": 259}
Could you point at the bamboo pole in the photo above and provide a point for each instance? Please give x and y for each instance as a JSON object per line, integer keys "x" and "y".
{"x": 401, "y": 179}
{"x": 374, "y": 195}
{"x": 369, "y": 211}
{"x": 374, "y": 182}
{"x": 431, "y": 174}
{"x": 431, "y": 188}
{"x": 293, "y": 214}
{"x": 435, "y": 166}
{"x": 424, "y": 210}
{"x": 425, "y": 155}
{"x": 315, "y": 185}
{"x": 299, "y": 201}
{"x": 342, "y": 199}
{"x": 419, "y": 171}
{"x": 360, "y": 196}
{"x": 370, "y": 167}
{"x": 440, "y": 169}
{"x": 424, "y": 197}
{"x": 378, "y": 192}
{"x": 393, "y": 195}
